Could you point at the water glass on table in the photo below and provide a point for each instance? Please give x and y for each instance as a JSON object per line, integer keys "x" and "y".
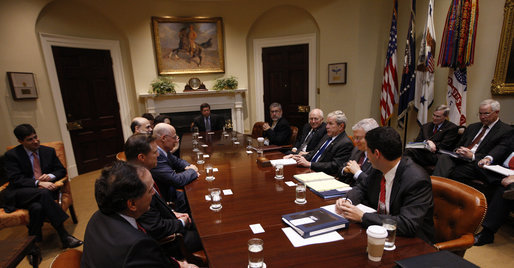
{"x": 215, "y": 194}
{"x": 199, "y": 158}
{"x": 301, "y": 194}
{"x": 390, "y": 226}
{"x": 260, "y": 141}
{"x": 255, "y": 254}
{"x": 279, "y": 172}
{"x": 209, "y": 172}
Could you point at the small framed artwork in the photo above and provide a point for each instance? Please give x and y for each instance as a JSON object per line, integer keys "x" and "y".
{"x": 22, "y": 85}
{"x": 188, "y": 45}
{"x": 337, "y": 73}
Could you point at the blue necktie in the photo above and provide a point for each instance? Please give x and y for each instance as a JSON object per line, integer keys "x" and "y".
{"x": 207, "y": 124}
{"x": 321, "y": 150}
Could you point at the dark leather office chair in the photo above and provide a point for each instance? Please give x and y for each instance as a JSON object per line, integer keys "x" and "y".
{"x": 121, "y": 156}
{"x": 21, "y": 216}
{"x": 257, "y": 129}
{"x": 292, "y": 140}
{"x": 199, "y": 258}
{"x": 458, "y": 213}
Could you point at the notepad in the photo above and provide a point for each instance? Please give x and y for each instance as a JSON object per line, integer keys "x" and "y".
{"x": 314, "y": 176}
{"x": 326, "y": 185}
{"x": 500, "y": 169}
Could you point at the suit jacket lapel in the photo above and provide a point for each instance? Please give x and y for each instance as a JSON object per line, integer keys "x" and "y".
{"x": 489, "y": 135}
{"x": 396, "y": 183}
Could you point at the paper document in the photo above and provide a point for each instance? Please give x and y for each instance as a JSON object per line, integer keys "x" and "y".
{"x": 284, "y": 162}
{"x": 500, "y": 169}
{"x": 299, "y": 241}
{"x": 418, "y": 145}
{"x": 366, "y": 209}
{"x": 327, "y": 185}
{"x": 314, "y": 176}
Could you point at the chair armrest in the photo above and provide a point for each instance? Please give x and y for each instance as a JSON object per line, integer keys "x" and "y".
{"x": 61, "y": 182}
{"x": 2, "y": 187}
{"x": 462, "y": 243}
{"x": 170, "y": 238}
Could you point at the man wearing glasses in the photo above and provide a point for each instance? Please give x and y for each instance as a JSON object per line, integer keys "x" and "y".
{"x": 171, "y": 172}
{"x": 476, "y": 142}
{"x": 279, "y": 132}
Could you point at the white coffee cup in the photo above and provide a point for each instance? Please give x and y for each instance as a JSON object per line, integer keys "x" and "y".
{"x": 376, "y": 240}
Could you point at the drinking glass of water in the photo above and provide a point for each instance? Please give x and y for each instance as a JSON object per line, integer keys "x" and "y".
{"x": 209, "y": 172}
{"x": 301, "y": 194}
{"x": 279, "y": 172}
{"x": 215, "y": 194}
{"x": 255, "y": 254}
{"x": 390, "y": 226}
{"x": 199, "y": 158}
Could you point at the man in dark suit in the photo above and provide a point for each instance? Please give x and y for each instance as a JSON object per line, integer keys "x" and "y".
{"x": 333, "y": 150}
{"x": 171, "y": 172}
{"x": 476, "y": 142}
{"x": 439, "y": 134}
{"x": 498, "y": 206}
{"x": 160, "y": 221}
{"x": 398, "y": 188}
{"x": 358, "y": 167}
{"x": 113, "y": 238}
{"x": 32, "y": 170}
{"x": 312, "y": 133}
{"x": 208, "y": 121}
{"x": 279, "y": 132}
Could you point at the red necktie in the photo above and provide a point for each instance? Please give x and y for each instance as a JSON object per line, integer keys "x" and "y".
{"x": 36, "y": 166}
{"x": 435, "y": 129}
{"x": 382, "y": 198}
{"x": 157, "y": 188}
{"x": 511, "y": 163}
{"x": 361, "y": 160}
{"x": 477, "y": 139}
{"x": 140, "y": 228}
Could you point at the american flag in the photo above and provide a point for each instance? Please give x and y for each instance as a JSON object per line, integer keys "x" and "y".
{"x": 389, "y": 94}
{"x": 456, "y": 97}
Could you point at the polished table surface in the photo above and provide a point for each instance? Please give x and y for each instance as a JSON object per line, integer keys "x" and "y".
{"x": 259, "y": 198}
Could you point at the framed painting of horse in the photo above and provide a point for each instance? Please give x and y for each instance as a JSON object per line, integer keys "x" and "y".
{"x": 188, "y": 45}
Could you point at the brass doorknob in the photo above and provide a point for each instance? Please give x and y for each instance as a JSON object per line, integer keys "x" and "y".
{"x": 304, "y": 108}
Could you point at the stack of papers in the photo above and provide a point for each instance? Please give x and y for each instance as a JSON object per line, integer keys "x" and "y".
{"x": 500, "y": 169}
{"x": 323, "y": 185}
{"x": 284, "y": 162}
{"x": 418, "y": 145}
{"x": 314, "y": 176}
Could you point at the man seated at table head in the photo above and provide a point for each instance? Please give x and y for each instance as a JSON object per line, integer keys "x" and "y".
{"x": 439, "y": 134}
{"x": 207, "y": 121}
{"x": 150, "y": 118}
{"x": 278, "y": 131}
{"x": 113, "y": 238}
{"x": 333, "y": 150}
{"x": 500, "y": 190}
{"x": 162, "y": 118}
{"x": 160, "y": 221}
{"x": 397, "y": 188}
{"x": 32, "y": 170}
{"x": 312, "y": 133}
{"x": 141, "y": 125}
{"x": 476, "y": 142}
{"x": 171, "y": 172}
{"x": 358, "y": 167}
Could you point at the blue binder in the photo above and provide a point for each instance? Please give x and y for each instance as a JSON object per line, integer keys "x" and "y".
{"x": 315, "y": 221}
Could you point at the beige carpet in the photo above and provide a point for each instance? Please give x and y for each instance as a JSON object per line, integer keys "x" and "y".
{"x": 498, "y": 254}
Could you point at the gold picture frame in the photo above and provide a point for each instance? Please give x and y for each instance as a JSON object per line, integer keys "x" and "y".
{"x": 503, "y": 81}
{"x": 173, "y": 37}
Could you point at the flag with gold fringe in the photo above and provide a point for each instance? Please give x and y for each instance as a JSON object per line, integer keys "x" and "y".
{"x": 408, "y": 84}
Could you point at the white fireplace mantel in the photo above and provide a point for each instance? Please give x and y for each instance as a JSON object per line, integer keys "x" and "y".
{"x": 191, "y": 100}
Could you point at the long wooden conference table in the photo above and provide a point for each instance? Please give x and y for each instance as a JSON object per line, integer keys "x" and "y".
{"x": 259, "y": 198}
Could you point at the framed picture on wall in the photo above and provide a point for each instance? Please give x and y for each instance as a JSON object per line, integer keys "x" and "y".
{"x": 22, "y": 85}
{"x": 337, "y": 73}
{"x": 188, "y": 45}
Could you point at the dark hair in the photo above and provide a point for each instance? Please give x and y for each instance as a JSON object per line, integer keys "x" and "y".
{"x": 148, "y": 116}
{"x": 160, "y": 119}
{"x": 386, "y": 140}
{"x": 117, "y": 185}
{"x": 24, "y": 130}
{"x": 133, "y": 125}
{"x": 138, "y": 144}
{"x": 204, "y": 105}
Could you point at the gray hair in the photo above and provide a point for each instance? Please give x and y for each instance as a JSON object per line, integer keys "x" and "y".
{"x": 162, "y": 129}
{"x": 366, "y": 124}
{"x": 495, "y": 105}
{"x": 275, "y": 104}
{"x": 443, "y": 108}
{"x": 340, "y": 117}
{"x": 318, "y": 111}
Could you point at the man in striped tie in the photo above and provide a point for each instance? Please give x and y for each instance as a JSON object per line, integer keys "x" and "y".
{"x": 333, "y": 150}
{"x": 397, "y": 188}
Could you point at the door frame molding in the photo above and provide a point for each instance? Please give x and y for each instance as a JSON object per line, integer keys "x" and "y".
{"x": 259, "y": 44}
{"x": 49, "y": 40}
